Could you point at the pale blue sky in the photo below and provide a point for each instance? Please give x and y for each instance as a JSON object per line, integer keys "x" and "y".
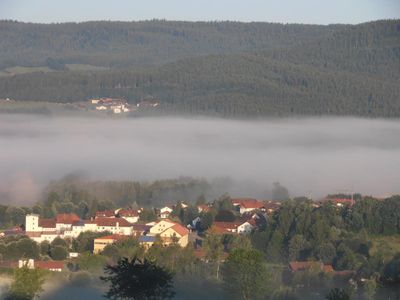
{"x": 284, "y": 11}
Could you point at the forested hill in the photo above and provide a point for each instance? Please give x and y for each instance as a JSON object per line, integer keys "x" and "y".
{"x": 146, "y": 43}
{"x": 351, "y": 70}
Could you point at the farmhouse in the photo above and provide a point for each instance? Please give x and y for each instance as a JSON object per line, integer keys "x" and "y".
{"x": 165, "y": 212}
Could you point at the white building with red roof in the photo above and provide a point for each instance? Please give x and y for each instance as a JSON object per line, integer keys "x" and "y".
{"x": 247, "y": 204}
{"x": 131, "y": 215}
{"x": 170, "y": 232}
{"x": 113, "y": 225}
{"x": 70, "y": 226}
{"x": 165, "y": 212}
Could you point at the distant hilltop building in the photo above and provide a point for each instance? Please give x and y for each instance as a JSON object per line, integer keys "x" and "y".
{"x": 115, "y": 105}
{"x": 147, "y": 104}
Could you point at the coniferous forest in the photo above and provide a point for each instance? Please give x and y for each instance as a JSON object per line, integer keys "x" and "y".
{"x": 227, "y": 69}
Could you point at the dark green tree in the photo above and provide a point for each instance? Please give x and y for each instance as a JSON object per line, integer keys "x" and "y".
{"x": 139, "y": 280}
{"x": 338, "y": 294}
{"x": 58, "y": 253}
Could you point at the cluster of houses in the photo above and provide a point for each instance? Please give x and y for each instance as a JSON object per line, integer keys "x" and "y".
{"x": 123, "y": 223}
{"x": 117, "y": 106}
{"x": 120, "y": 223}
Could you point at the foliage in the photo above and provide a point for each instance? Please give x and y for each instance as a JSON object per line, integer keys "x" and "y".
{"x": 138, "y": 44}
{"x": 18, "y": 248}
{"x": 91, "y": 262}
{"x": 214, "y": 250}
{"x": 135, "y": 279}
{"x": 245, "y": 274}
{"x": 148, "y": 215}
{"x": 338, "y": 294}
{"x": 58, "y": 253}
{"x": 27, "y": 283}
{"x": 391, "y": 272}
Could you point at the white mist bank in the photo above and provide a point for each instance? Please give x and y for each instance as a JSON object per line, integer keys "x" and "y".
{"x": 309, "y": 156}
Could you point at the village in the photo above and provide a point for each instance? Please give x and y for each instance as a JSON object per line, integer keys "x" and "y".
{"x": 249, "y": 215}
{"x": 93, "y": 106}
{"x": 119, "y": 106}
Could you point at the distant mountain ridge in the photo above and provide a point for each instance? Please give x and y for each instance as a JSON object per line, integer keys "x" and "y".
{"x": 346, "y": 70}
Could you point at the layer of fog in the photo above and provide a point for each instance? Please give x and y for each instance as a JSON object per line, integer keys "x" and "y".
{"x": 313, "y": 156}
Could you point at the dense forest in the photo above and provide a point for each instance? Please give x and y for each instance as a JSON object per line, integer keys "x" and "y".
{"x": 146, "y": 43}
{"x": 291, "y": 70}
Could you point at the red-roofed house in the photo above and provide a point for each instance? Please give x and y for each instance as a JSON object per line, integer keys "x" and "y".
{"x": 55, "y": 266}
{"x": 105, "y": 214}
{"x": 165, "y": 212}
{"x": 65, "y": 221}
{"x": 240, "y": 227}
{"x": 224, "y": 227}
{"x": 247, "y": 204}
{"x": 246, "y": 227}
{"x": 170, "y": 232}
{"x": 131, "y": 215}
{"x": 176, "y": 233}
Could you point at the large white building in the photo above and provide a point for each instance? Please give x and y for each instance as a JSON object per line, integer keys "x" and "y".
{"x": 70, "y": 226}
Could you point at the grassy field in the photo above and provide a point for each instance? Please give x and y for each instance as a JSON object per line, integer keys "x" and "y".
{"x": 82, "y": 67}
{"x": 23, "y": 70}
{"x": 51, "y": 108}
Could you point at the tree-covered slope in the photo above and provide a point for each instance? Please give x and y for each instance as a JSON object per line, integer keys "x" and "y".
{"x": 354, "y": 71}
{"x": 146, "y": 43}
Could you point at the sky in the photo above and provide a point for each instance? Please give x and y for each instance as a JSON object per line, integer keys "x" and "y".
{"x": 282, "y": 11}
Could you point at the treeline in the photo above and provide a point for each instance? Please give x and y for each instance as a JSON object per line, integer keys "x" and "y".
{"x": 353, "y": 71}
{"x": 145, "y": 43}
{"x": 299, "y": 231}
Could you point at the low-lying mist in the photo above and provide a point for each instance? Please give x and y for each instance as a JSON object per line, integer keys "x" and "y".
{"x": 310, "y": 156}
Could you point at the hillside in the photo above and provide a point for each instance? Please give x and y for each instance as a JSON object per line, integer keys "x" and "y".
{"x": 145, "y": 43}
{"x": 352, "y": 71}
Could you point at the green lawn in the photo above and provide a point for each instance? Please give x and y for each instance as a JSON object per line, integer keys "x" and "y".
{"x": 83, "y": 67}
{"x": 23, "y": 70}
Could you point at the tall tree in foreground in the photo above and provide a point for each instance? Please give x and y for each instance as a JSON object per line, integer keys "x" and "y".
{"x": 138, "y": 280}
{"x": 245, "y": 274}
{"x": 27, "y": 284}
